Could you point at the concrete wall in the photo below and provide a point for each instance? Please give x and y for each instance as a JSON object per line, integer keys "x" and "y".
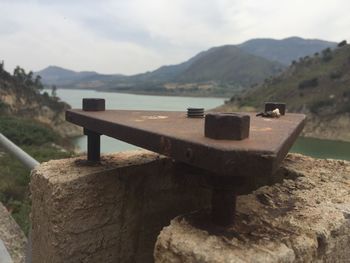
{"x": 114, "y": 212}
{"x": 111, "y": 212}
{"x": 305, "y": 218}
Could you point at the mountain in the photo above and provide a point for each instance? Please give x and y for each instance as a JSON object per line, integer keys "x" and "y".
{"x": 218, "y": 71}
{"x": 318, "y": 86}
{"x": 167, "y": 73}
{"x": 229, "y": 64}
{"x": 285, "y": 50}
{"x": 202, "y": 74}
{"x": 54, "y": 75}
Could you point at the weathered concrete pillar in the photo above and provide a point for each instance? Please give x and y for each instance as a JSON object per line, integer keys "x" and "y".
{"x": 11, "y": 238}
{"x": 107, "y": 213}
{"x": 305, "y": 218}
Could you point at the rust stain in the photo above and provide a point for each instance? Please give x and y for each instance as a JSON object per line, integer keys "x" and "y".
{"x": 265, "y": 129}
{"x": 165, "y": 146}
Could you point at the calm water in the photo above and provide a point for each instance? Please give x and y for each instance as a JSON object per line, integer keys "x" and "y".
{"x": 322, "y": 148}
{"x": 131, "y": 102}
{"x": 312, "y": 147}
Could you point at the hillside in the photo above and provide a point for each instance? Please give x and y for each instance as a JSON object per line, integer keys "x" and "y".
{"x": 20, "y": 95}
{"x": 229, "y": 64}
{"x": 318, "y": 86}
{"x": 35, "y": 122}
{"x": 285, "y": 50}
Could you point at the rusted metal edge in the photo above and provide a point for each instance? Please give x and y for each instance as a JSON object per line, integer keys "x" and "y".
{"x": 262, "y": 162}
{"x": 284, "y": 149}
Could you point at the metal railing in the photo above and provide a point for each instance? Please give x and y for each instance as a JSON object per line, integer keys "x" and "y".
{"x": 28, "y": 162}
{"x": 17, "y": 152}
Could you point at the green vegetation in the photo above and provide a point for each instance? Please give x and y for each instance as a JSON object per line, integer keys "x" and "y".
{"x": 38, "y": 141}
{"x": 25, "y": 132}
{"x": 309, "y": 83}
{"x": 20, "y": 102}
{"x": 316, "y": 85}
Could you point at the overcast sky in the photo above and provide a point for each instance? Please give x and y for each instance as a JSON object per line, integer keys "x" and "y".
{"x": 133, "y": 36}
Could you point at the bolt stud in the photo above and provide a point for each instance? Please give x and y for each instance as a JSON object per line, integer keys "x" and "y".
{"x": 195, "y": 112}
{"x": 90, "y": 104}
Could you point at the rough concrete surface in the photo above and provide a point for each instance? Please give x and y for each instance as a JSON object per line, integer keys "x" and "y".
{"x": 305, "y": 218}
{"x": 112, "y": 212}
{"x": 12, "y": 236}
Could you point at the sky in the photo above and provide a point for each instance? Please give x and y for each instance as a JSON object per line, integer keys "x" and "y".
{"x": 134, "y": 36}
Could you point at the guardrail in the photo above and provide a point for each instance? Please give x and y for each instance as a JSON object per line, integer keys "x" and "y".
{"x": 28, "y": 162}
{"x": 17, "y": 152}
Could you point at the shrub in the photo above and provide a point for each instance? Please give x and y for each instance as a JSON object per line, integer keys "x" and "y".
{"x": 26, "y": 132}
{"x": 335, "y": 75}
{"x": 327, "y": 55}
{"x": 309, "y": 83}
{"x": 343, "y": 43}
{"x": 346, "y": 94}
{"x": 316, "y": 106}
{"x": 3, "y": 106}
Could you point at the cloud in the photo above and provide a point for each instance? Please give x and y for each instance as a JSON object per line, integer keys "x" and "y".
{"x": 139, "y": 35}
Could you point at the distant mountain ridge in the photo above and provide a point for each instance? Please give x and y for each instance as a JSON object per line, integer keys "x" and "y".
{"x": 229, "y": 64}
{"x": 285, "y": 50}
{"x": 56, "y": 75}
{"x": 240, "y": 65}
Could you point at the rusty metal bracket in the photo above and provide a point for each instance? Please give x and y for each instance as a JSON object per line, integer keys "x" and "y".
{"x": 243, "y": 145}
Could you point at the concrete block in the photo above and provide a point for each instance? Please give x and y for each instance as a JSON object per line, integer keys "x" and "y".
{"x": 13, "y": 240}
{"x": 111, "y": 212}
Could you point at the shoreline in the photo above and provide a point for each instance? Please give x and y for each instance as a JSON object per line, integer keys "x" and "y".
{"x": 146, "y": 93}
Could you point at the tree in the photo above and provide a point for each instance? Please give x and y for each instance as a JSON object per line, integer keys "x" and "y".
{"x": 327, "y": 54}
{"x": 29, "y": 78}
{"x": 54, "y": 91}
{"x": 19, "y": 74}
{"x": 343, "y": 43}
{"x": 38, "y": 84}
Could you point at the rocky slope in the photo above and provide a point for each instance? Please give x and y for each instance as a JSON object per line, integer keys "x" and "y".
{"x": 20, "y": 96}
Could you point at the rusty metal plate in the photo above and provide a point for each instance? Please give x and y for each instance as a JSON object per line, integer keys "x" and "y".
{"x": 182, "y": 138}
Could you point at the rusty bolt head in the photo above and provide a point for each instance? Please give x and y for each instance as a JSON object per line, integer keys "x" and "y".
{"x": 227, "y": 126}
{"x": 94, "y": 104}
{"x": 270, "y": 106}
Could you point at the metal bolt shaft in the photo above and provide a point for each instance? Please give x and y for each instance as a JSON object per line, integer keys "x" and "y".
{"x": 94, "y": 146}
{"x": 94, "y": 139}
{"x": 223, "y": 206}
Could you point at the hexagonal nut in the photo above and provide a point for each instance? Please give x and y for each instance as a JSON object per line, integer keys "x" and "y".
{"x": 92, "y": 104}
{"x": 227, "y": 126}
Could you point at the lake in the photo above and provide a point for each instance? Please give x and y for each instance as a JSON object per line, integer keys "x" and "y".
{"x": 308, "y": 146}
